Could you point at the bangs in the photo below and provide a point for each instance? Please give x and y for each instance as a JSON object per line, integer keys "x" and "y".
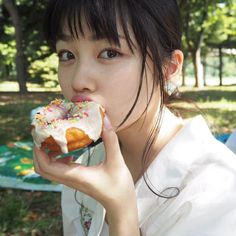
{"x": 99, "y": 16}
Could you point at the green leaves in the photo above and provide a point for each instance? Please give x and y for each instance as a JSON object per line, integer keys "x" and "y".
{"x": 215, "y": 19}
{"x": 35, "y": 51}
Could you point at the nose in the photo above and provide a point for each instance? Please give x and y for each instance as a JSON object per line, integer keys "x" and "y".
{"x": 83, "y": 79}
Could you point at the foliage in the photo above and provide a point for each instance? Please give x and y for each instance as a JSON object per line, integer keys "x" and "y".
{"x": 206, "y": 24}
{"x": 35, "y": 49}
{"x": 215, "y": 19}
{"x": 221, "y": 24}
{"x": 44, "y": 70}
{"x": 7, "y": 52}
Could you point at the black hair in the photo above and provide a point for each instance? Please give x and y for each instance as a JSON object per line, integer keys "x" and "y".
{"x": 155, "y": 24}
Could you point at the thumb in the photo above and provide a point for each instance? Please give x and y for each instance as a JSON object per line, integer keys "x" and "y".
{"x": 110, "y": 141}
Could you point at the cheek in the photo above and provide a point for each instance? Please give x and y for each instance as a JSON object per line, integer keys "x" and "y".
{"x": 120, "y": 97}
{"x": 64, "y": 81}
{"x": 127, "y": 97}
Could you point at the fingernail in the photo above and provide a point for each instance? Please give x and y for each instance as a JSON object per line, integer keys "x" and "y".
{"x": 107, "y": 124}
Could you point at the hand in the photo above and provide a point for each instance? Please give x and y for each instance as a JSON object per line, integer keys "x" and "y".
{"x": 110, "y": 182}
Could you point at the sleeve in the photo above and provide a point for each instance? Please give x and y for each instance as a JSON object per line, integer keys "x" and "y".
{"x": 216, "y": 220}
{"x": 206, "y": 205}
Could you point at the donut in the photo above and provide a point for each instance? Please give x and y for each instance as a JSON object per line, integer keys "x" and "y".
{"x": 65, "y": 126}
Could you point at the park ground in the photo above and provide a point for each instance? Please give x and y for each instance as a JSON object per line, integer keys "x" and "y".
{"x": 38, "y": 213}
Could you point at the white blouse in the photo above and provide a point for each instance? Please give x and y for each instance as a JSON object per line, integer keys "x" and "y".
{"x": 193, "y": 162}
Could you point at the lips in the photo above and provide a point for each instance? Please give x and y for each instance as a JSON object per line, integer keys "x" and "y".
{"x": 81, "y": 98}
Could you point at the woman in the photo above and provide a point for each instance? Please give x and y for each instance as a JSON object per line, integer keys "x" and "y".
{"x": 154, "y": 174}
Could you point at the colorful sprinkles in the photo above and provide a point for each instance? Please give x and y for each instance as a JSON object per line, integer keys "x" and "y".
{"x": 71, "y": 112}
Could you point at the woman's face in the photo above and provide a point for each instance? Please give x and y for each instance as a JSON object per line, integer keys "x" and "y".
{"x": 92, "y": 69}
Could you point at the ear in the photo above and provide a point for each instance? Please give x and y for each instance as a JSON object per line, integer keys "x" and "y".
{"x": 174, "y": 67}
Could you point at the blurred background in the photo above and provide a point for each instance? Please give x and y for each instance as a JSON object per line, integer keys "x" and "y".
{"x": 28, "y": 79}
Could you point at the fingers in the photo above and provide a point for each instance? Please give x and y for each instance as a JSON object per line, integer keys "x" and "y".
{"x": 35, "y": 162}
{"x": 38, "y": 157}
{"x": 49, "y": 167}
{"x": 111, "y": 142}
{"x": 66, "y": 159}
{"x": 63, "y": 171}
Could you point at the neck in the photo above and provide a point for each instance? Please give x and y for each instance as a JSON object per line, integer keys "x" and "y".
{"x": 133, "y": 140}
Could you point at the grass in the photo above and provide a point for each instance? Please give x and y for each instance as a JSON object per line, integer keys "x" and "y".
{"x": 39, "y": 213}
{"x": 217, "y": 104}
{"x": 30, "y": 213}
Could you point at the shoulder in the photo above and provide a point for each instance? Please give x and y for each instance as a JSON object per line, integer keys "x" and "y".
{"x": 206, "y": 167}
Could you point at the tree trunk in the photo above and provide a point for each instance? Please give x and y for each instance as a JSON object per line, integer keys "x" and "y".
{"x": 184, "y": 76}
{"x": 198, "y": 68}
{"x": 20, "y": 57}
{"x": 220, "y": 66}
{"x": 204, "y": 71}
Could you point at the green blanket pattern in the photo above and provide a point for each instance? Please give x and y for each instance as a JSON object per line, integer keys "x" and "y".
{"x": 17, "y": 171}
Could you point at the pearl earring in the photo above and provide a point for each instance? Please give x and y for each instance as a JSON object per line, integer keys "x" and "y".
{"x": 170, "y": 87}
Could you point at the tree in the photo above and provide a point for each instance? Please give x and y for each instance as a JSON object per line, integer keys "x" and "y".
{"x": 32, "y": 45}
{"x": 206, "y": 23}
{"x": 222, "y": 30}
{"x": 194, "y": 17}
{"x": 20, "y": 57}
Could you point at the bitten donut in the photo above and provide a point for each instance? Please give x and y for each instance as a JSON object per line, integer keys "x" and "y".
{"x": 66, "y": 126}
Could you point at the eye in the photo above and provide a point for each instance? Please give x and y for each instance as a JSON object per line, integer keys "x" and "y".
{"x": 65, "y": 55}
{"x": 109, "y": 54}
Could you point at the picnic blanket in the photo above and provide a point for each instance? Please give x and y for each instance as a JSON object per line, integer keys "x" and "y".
{"x": 17, "y": 171}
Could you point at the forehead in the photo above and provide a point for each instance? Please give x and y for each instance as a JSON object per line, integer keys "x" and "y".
{"x": 82, "y": 29}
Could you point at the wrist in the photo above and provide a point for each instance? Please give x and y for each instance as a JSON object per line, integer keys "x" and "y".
{"x": 123, "y": 222}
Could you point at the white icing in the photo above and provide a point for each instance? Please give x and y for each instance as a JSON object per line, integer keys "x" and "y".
{"x": 90, "y": 121}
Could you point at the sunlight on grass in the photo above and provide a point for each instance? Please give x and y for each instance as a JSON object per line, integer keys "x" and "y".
{"x": 10, "y": 86}
{"x": 6, "y": 86}
{"x": 217, "y": 104}
{"x": 230, "y": 106}
{"x": 209, "y": 88}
